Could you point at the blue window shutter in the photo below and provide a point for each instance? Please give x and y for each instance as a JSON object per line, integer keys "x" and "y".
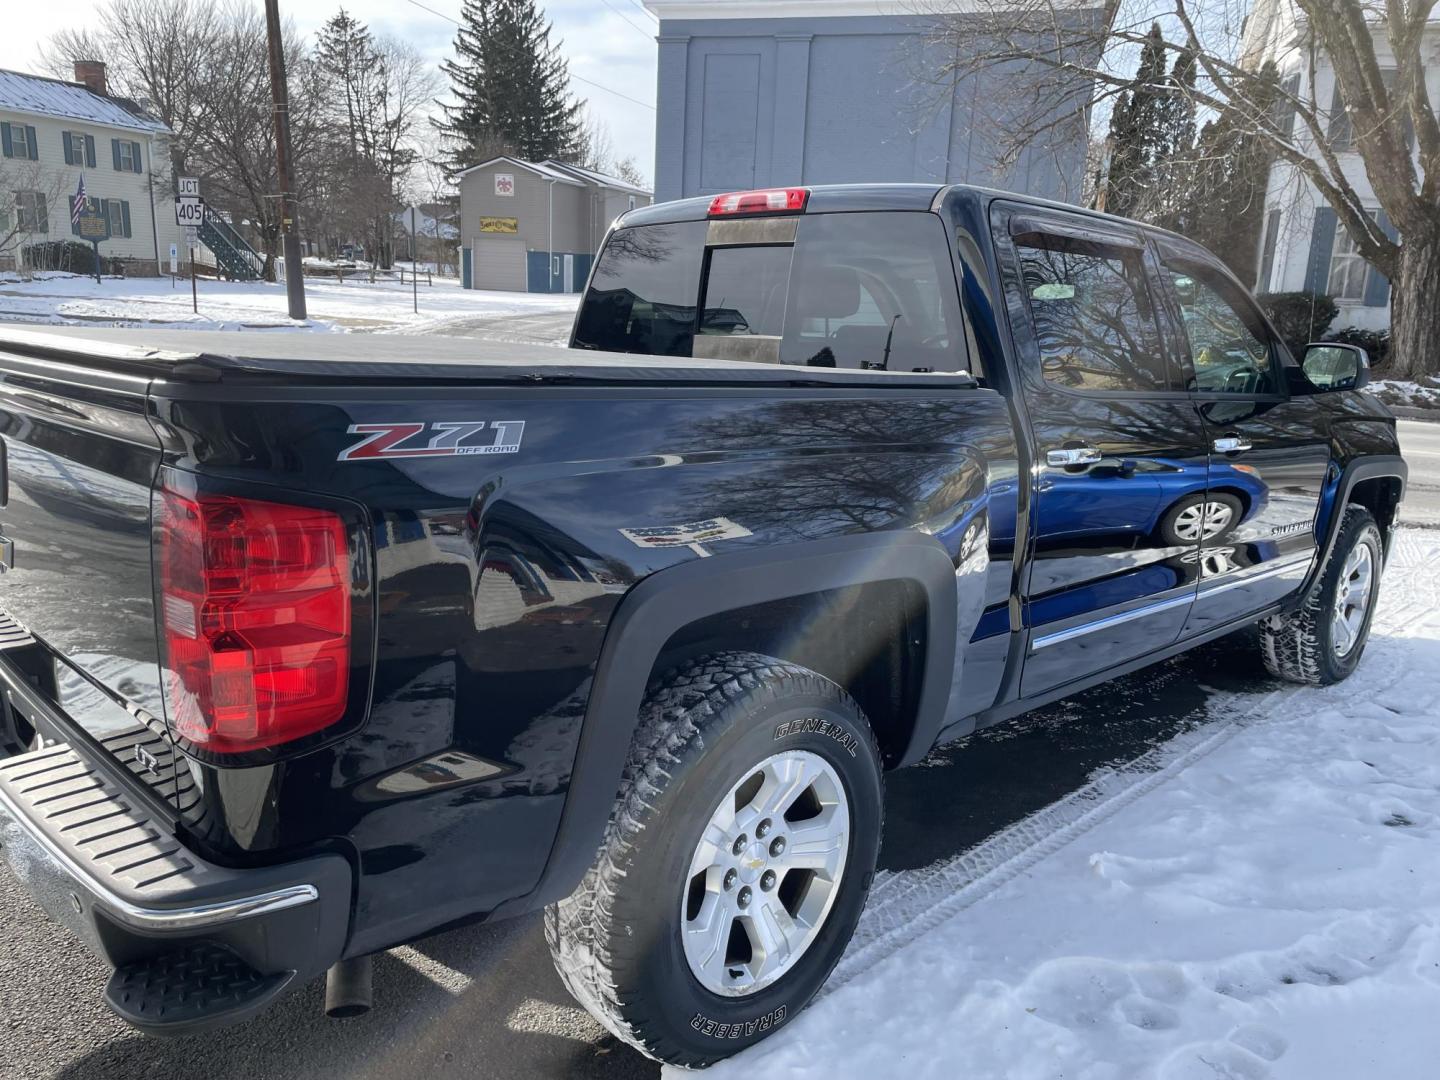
{"x": 1322, "y": 246}
{"x": 115, "y": 152}
{"x": 30, "y": 144}
{"x": 1377, "y": 285}
{"x": 125, "y": 216}
{"x": 135, "y": 162}
{"x": 5, "y": 144}
{"x": 89, "y": 151}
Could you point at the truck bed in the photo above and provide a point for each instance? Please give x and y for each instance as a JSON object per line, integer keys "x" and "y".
{"x": 209, "y": 356}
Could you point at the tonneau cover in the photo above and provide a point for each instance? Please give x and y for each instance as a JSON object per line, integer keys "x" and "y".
{"x": 213, "y": 356}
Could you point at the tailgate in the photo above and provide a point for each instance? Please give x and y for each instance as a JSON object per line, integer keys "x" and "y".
{"x": 79, "y": 460}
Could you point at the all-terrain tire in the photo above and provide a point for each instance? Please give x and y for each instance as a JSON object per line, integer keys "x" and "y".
{"x": 1300, "y": 647}
{"x": 703, "y": 728}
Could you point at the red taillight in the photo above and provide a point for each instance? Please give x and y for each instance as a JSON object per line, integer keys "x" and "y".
{"x": 255, "y": 617}
{"x": 771, "y": 201}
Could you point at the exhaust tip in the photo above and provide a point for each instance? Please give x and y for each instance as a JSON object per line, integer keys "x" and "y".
{"x": 349, "y": 988}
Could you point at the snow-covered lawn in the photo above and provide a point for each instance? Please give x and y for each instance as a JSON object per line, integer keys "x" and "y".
{"x": 1259, "y": 898}
{"x": 1401, "y": 392}
{"x": 354, "y": 305}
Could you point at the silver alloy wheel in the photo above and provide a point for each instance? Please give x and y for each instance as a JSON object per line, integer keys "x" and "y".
{"x": 1353, "y": 594}
{"x": 765, "y": 873}
{"x": 1203, "y": 521}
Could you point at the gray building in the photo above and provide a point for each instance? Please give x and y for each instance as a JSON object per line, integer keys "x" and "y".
{"x": 534, "y": 226}
{"x": 769, "y": 93}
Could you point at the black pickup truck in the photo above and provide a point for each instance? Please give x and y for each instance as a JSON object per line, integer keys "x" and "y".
{"x": 313, "y": 646}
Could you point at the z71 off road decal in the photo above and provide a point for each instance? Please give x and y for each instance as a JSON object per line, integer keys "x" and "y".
{"x": 449, "y": 438}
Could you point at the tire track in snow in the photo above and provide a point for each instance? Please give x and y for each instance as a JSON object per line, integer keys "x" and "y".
{"x": 903, "y": 907}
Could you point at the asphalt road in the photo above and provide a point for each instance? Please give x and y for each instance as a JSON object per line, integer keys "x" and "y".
{"x": 1420, "y": 443}
{"x": 485, "y": 1002}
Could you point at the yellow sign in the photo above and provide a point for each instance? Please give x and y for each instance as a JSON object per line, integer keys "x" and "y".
{"x": 500, "y": 224}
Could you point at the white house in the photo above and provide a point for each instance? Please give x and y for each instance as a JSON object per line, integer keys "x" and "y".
{"x": 1303, "y": 247}
{"x": 53, "y": 132}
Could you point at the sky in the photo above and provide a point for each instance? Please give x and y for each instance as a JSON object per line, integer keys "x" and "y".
{"x": 609, "y": 42}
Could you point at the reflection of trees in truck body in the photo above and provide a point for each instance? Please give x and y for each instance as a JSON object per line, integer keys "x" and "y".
{"x": 874, "y": 464}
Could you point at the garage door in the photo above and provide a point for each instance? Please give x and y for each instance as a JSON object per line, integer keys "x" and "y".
{"x": 500, "y": 263}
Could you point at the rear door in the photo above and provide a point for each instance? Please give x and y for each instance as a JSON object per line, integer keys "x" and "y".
{"x": 1120, "y": 449}
{"x": 1268, "y": 452}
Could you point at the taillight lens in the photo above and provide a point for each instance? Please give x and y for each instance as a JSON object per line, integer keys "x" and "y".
{"x": 255, "y": 618}
{"x": 769, "y": 201}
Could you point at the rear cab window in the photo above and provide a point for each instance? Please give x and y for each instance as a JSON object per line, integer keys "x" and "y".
{"x": 872, "y": 290}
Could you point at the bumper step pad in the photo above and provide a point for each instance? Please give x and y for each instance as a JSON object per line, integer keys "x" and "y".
{"x": 196, "y": 987}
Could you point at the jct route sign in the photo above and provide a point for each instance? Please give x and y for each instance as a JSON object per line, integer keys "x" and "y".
{"x": 189, "y": 210}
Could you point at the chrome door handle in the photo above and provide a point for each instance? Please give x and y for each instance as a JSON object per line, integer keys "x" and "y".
{"x": 1232, "y": 444}
{"x": 1074, "y": 455}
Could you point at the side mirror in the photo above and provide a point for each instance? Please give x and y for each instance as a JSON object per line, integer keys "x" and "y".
{"x": 1330, "y": 365}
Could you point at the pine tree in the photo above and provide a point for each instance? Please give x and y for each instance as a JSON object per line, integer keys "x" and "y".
{"x": 1135, "y": 128}
{"x": 511, "y": 87}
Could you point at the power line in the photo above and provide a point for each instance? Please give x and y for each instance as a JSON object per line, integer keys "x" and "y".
{"x": 646, "y": 10}
{"x": 620, "y": 14}
{"x": 579, "y": 78}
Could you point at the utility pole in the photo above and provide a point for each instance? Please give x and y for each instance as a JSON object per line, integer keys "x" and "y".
{"x": 289, "y": 223}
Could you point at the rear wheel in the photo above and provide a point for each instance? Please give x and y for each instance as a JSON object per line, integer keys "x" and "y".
{"x": 735, "y": 864}
{"x": 1323, "y": 641}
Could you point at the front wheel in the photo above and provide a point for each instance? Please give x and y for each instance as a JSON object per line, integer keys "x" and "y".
{"x": 1322, "y": 642}
{"x": 735, "y": 863}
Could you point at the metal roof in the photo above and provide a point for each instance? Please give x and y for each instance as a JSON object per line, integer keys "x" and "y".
{"x": 603, "y": 179}
{"x": 22, "y": 92}
{"x": 548, "y": 172}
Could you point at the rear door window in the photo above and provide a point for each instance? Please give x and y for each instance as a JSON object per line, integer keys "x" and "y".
{"x": 1094, "y": 323}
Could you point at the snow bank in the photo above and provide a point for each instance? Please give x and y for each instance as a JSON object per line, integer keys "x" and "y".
{"x": 1259, "y": 899}
{"x": 1403, "y": 392}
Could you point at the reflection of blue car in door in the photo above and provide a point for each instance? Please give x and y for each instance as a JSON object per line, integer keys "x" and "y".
{"x": 1174, "y": 502}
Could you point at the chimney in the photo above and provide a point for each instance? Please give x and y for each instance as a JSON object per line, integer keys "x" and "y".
{"x": 92, "y": 74}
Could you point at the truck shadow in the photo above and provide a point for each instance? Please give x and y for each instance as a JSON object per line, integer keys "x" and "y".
{"x": 485, "y": 1002}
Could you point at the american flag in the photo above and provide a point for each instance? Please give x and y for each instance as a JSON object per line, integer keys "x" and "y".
{"x": 77, "y": 204}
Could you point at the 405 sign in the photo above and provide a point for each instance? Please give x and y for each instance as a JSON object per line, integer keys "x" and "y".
{"x": 190, "y": 210}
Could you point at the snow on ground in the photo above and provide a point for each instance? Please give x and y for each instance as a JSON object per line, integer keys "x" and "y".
{"x": 355, "y": 305}
{"x": 1401, "y": 392}
{"x": 1259, "y": 898}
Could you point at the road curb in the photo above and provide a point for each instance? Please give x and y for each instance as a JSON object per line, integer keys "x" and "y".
{"x": 1410, "y": 412}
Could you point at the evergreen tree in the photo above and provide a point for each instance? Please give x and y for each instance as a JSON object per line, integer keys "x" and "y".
{"x": 511, "y": 87}
{"x": 1135, "y": 130}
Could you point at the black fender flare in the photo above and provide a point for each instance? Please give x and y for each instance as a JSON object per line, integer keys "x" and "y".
{"x": 670, "y": 599}
{"x": 1370, "y": 467}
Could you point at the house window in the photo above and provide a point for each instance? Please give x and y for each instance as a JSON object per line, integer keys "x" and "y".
{"x": 128, "y": 157}
{"x": 30, "y": 209}
{"x": 22, "y": 142}
{"x": 632, "y": 202}
{"x": 115, "y": 215}
{"x": 1342, "y": 124}
{"x": 1349, "y": 272}
{"x": 74, "y": 148}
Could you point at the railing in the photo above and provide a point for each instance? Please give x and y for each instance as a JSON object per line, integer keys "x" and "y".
{"x": 233, "y": 255}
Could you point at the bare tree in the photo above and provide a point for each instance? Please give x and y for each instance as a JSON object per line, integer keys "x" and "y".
{"x": 157, "y": 52}
{"x": 33, "y": 209}
{"x": 1063, "y": 59}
